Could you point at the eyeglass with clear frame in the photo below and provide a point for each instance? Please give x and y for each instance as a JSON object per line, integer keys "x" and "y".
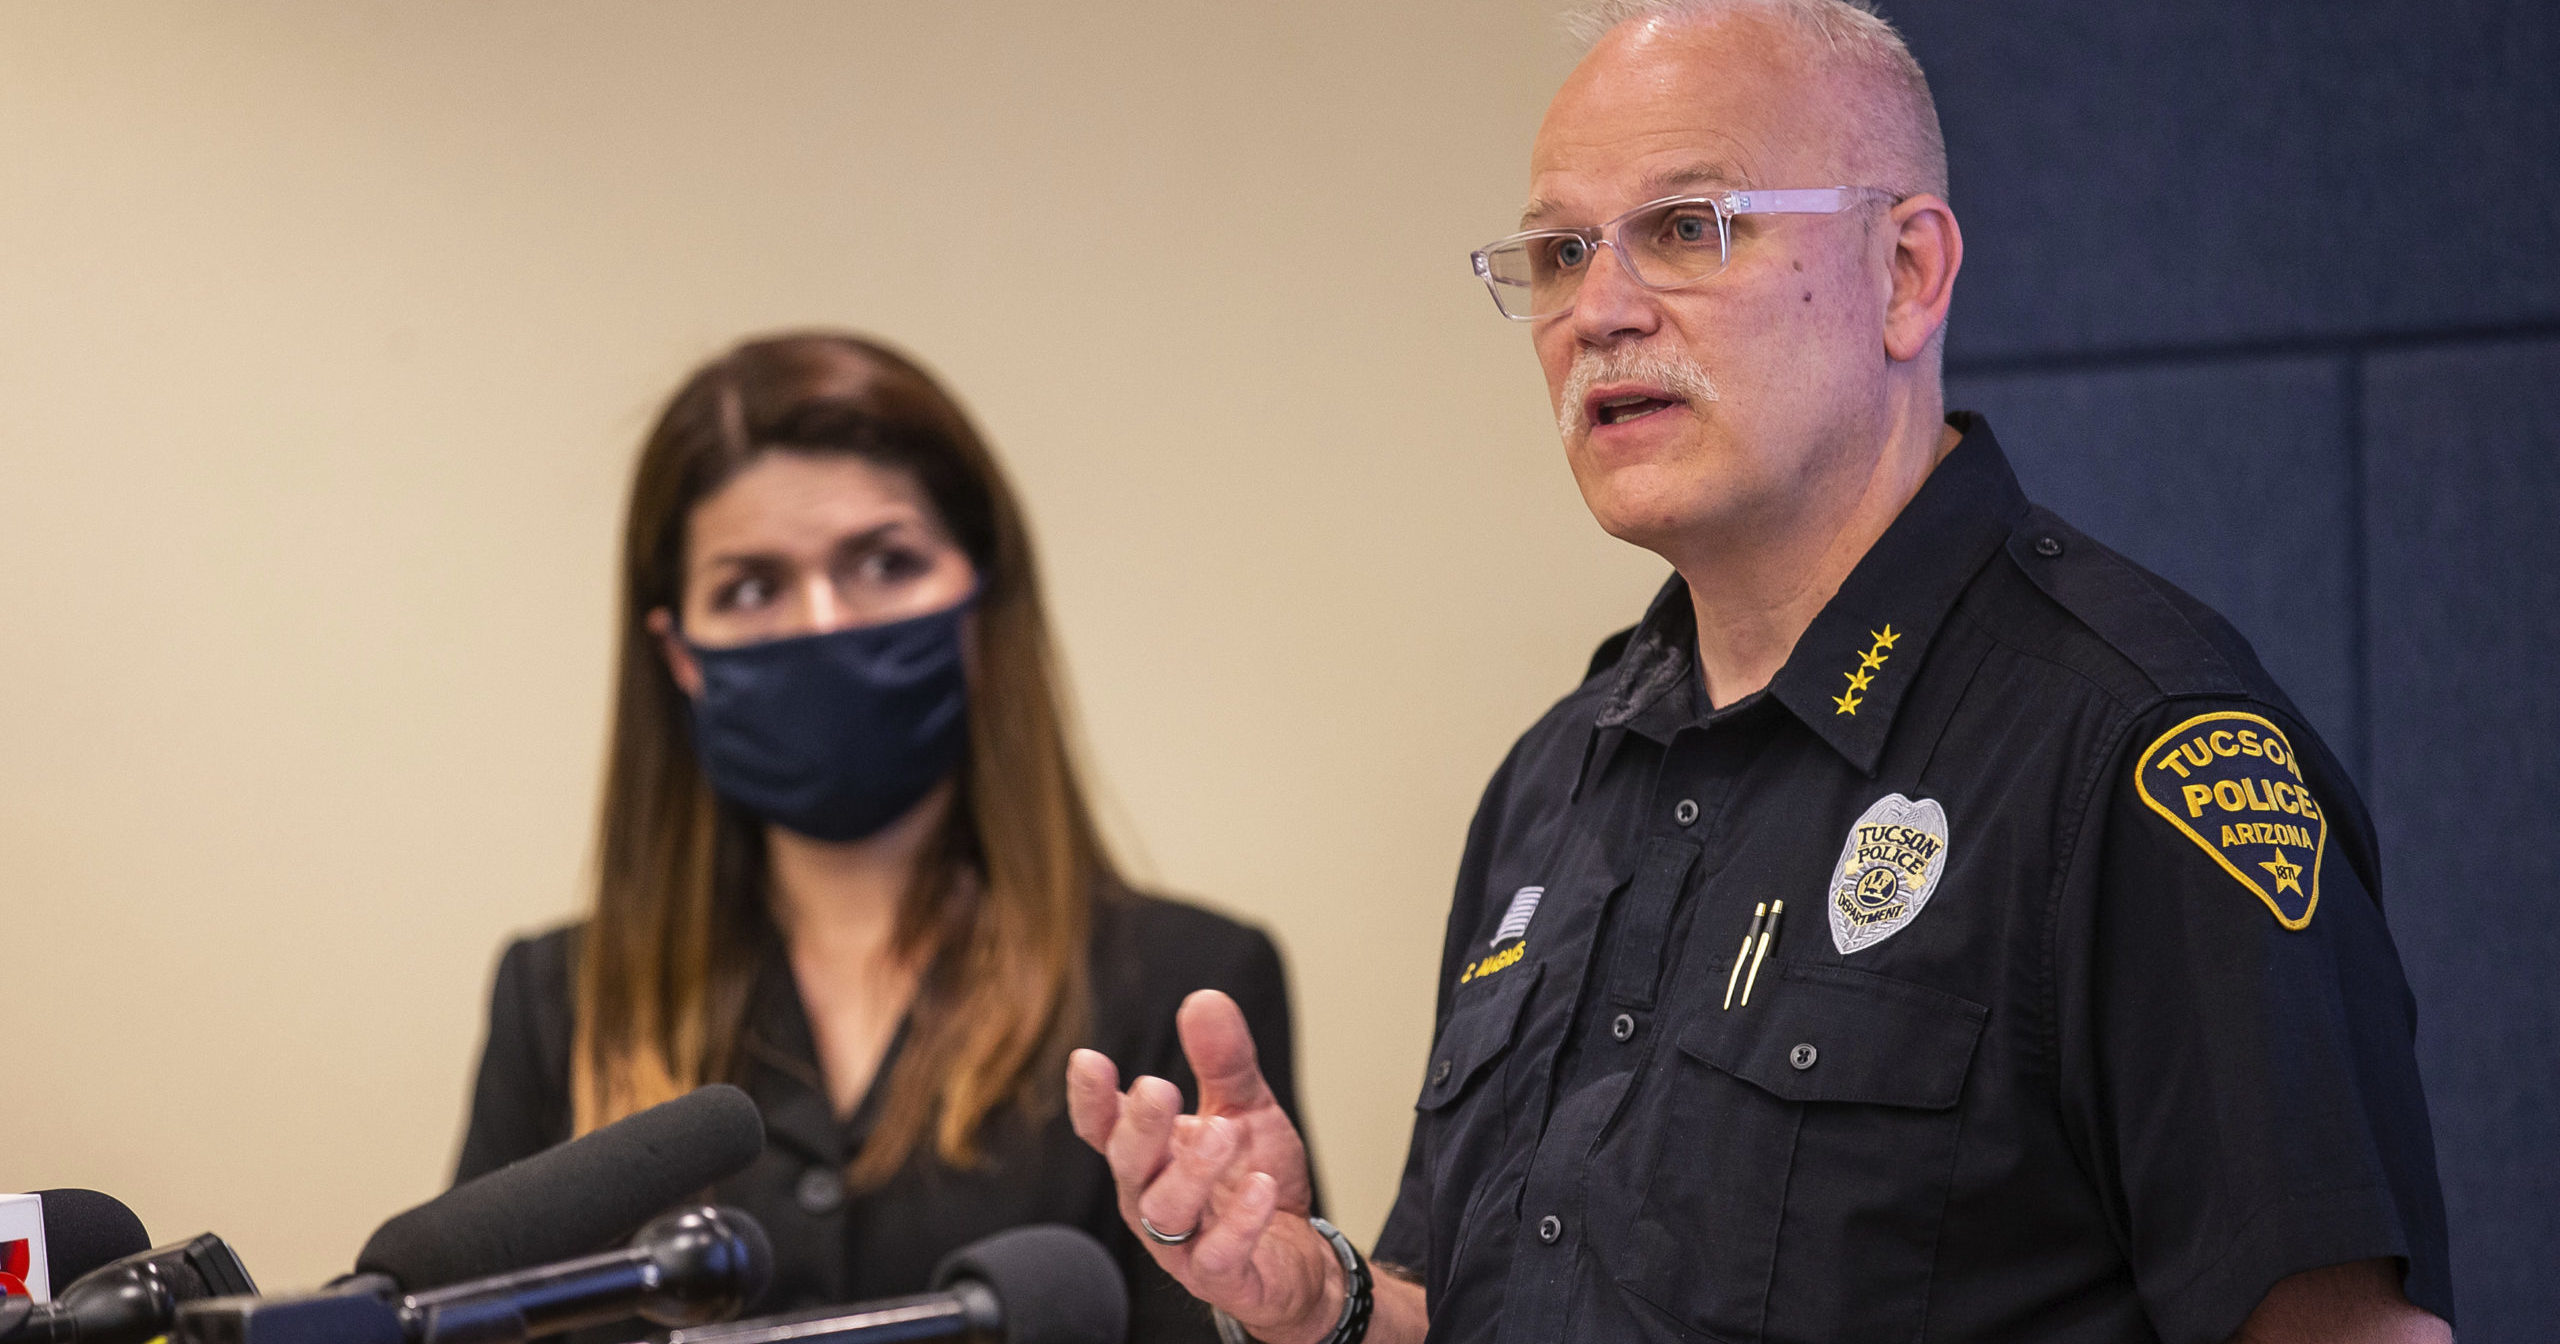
{"x": 1671, "y": 243}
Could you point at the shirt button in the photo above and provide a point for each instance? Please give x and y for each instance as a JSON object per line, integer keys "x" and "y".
{"x": 1803, "y": 1056}
{"x": 2048, "y": 547}
{"x": 1440, "y": 1072}
{"x": 1550, "y": 1228}
{"x": 820, "y": 1191}
{"x": 1686, "y": 812}
{"x": 1624, "y": 1028}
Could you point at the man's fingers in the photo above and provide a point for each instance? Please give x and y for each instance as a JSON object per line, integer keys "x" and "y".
{"x": 1139, "y": 1144}
{"x": 1225, "y": 1247}
{"x": 1220, "y": 1048}
{"x": 1093, "y": 1097}
{"x": 1177, "y": 1201}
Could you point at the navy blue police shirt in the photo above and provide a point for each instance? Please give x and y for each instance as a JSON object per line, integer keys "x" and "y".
{"x": 2078, "y": 1022}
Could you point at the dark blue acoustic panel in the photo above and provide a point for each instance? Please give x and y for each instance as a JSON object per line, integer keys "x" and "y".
{"x": 2228, "y": 479}
{"x": 2463, "y": 464}
{"x": 2199, "y": 172}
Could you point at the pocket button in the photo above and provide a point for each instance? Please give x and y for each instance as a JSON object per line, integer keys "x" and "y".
{"x": 1550, "y": 1228}
{"x": 1802, "y": 1056}
{"x": 1440, "y": 1072}
{"x": 1624, "y": 1028}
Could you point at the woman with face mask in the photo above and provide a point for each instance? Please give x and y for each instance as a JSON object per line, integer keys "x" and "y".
{"x": 844, "y": 859}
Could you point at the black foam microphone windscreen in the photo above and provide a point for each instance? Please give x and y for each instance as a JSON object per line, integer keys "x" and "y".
{"x": 572, "y": 1200}
{"x": 1056, "y": 1284}
{"x": 84, "y": 1230}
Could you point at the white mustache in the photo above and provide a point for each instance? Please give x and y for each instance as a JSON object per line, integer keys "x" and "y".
{"x": 1669, "y": 369}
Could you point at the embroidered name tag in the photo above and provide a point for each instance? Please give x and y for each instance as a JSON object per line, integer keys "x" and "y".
{"x": 2229, "y": 782}
{"x": 1888, "y": 866}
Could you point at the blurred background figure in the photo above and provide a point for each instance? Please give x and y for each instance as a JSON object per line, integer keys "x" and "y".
{"x": 845, "y": 860}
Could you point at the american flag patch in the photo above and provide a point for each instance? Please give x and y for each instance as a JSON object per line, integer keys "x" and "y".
{"x": 1515, "y": 921}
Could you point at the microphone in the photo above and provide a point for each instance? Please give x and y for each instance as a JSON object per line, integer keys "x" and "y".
{"x": 572, "y": 1199}
{"x": 1043, "y": 1284}
{"x": 130, "y": 1298}
{"x": 697, "y": 1265}
{"x": 84, "y": 1230}
{"x": 700, "y": 1265}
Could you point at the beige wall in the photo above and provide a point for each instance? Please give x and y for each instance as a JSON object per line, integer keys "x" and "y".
{"x": 326, "y": 332}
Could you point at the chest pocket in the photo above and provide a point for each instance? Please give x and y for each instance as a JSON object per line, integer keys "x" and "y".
{"x": 1462, "y": 1112}
{"x": 1800, "y": 1151}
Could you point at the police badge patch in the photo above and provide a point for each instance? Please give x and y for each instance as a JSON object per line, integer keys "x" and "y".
{"x": 2229, "y": 782}
{"x": 1888, "y": 867}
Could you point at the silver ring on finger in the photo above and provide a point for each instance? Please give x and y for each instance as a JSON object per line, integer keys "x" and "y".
{"x": 1161, "y": 1237}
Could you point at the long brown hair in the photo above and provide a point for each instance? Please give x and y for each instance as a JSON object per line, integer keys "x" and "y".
{"x": 1001, "y": 903}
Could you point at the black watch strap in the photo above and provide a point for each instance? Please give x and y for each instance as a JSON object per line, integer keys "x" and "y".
{"x": 1359, "y": 1294}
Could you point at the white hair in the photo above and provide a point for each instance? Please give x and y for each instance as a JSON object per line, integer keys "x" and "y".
{"x": 1846, "y": 34}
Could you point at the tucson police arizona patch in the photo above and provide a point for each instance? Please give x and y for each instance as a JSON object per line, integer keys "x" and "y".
{"x": 2229, "y": 782}
{"x": 1887, "y": 869}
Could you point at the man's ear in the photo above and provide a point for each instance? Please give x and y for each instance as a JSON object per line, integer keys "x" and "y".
{"x": 680, "y": 663}
{"x": 1928, "y": 250}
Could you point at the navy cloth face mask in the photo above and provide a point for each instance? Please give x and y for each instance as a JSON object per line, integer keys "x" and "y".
{"x": 835, "y": 735}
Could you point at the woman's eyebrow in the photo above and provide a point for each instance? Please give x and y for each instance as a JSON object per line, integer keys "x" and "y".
{"x": 868, "y": 536}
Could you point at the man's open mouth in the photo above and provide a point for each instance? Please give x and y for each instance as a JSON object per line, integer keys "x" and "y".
{"x": 1620, "y": 410}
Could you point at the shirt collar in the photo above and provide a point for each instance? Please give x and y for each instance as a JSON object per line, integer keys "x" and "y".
{"x": 1851, "y": 668}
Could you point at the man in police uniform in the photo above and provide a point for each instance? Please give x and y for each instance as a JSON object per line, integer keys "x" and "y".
{"x": 1925, "y": 924}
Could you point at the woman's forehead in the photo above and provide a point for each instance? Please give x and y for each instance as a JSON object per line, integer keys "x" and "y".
{"x": 788, "y": 500}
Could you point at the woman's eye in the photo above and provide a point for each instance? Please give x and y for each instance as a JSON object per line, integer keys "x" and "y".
{"x": 743, "y": 595}
{"x": 1691, "y": 229}
{"x": 893, "y": 565}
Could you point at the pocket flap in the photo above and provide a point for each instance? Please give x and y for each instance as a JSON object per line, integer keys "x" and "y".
{"x": 1479, "y": 1029}
{"x": 1829, "y": 1033}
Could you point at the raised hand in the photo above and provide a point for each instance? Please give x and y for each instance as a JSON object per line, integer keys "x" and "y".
{"x": 1233, "y": 1176}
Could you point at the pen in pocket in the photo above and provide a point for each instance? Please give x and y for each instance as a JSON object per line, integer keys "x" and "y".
{"x": 1758, "y": 914}
{"x": 1768, "y": 935}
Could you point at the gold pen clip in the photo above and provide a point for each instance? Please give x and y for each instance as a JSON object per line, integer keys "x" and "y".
{"x": 1768, "y": 935}
{"x": 1758, "y": 914}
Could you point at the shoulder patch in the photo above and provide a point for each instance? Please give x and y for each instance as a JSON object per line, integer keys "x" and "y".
{"x": 2229, "y": 781}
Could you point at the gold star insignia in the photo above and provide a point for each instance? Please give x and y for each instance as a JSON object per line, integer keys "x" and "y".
{"x": 1848, "y": 703}
{"x": 1885, "y": 637}
{"x": 1858, "y": 680}
{"x": 2286, "y": 873}
{"x": 1870, "y": 659}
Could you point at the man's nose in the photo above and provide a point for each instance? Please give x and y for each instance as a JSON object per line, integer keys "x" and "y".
{"x": 1610, "y": 306}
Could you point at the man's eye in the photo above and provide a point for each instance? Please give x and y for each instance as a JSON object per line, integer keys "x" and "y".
{"x": 1691, "y": 228}
{"x": 745, "y": 594}
{"x": 1569, "y": 253}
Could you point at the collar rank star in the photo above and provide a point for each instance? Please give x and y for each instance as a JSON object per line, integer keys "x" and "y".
{"x": 2229, "y": 782}
{"x": 1514, "y": 929}
{"x": 1888, "y": 866}
{"x": 1864, "y": 674}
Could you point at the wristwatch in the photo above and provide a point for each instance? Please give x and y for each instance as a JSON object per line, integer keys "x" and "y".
{"x": 1358, "y": 1295}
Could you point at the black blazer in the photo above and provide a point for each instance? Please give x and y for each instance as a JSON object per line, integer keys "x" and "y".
{"x": 833, "y": 1247}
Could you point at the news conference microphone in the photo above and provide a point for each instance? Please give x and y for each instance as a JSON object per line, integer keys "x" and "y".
{"x": 84, "y": 1230}
{"x": 132, "y": 1299}
{"x": 697, "y": 1265}
{"x": 1044, "y": 1284}
{"x": 688, "y": 1268}
{"x": 573, "y": 1199}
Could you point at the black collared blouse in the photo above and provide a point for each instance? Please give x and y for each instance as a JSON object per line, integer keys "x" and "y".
{"x": 834, "y": 1246}
{"x": 2080, "y": 1021}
